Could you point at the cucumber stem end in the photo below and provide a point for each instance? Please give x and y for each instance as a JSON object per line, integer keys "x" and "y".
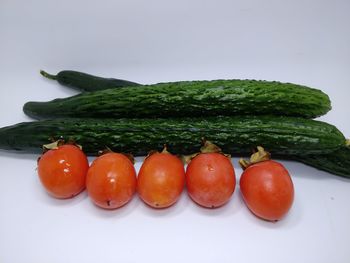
{"x": 47, "y": 75}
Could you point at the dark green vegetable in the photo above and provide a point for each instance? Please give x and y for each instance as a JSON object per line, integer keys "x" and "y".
{"x": 189, "y": 98}
{"x": 235, "y": 135}
{"x": 86, "y": 82}
{"x": 337, "y": 162}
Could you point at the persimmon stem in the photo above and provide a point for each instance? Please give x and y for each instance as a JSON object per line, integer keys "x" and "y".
{"x": 208, "y": 147}
{"x": 165, "y": 149}
{"x": 259, "y": 156}
{"x": 53, "y": 145}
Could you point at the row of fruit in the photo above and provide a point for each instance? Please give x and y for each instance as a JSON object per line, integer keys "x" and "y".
{"x": 210, "y": 179}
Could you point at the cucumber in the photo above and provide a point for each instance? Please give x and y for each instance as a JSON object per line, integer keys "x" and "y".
{"x": 189, "y": 98}
{"x": 337, "y": 162}
{"x": 86, "y": 82}
{"x": 287, "y": 136}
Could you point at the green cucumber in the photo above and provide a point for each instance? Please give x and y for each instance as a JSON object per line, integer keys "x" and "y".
{"x": 337, "y": 162}
{"x": 285, "y": 136}
{"x": 86, "y": 82}
{"x": 189, "y": 98}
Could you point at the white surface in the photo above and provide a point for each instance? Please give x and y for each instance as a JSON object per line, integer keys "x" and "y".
{"x": 305, "y": 42}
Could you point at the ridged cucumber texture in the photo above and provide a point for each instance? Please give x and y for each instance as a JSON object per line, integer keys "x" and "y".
{"x": 337, "y": 162}
{"x": 286, "y": 136}
{"x": 189, "y": 98}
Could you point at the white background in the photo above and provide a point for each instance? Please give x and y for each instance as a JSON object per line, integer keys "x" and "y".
{"x": 306, "y": 42}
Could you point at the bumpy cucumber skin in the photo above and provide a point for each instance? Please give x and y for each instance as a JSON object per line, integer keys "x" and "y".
{"x": 337, "y": 162}
{"x": 189, "y": 98}
{"x": 235, "y": 135}
{"x": 86, "y": 82}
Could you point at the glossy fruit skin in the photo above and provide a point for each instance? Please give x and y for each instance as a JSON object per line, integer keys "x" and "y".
{"x": 63, "y": 171}
{"x": 161, "y": 180}
{"x": 210, "y": 179}
{"x": 111, "y": 180}
{"x": 267, "y": 190}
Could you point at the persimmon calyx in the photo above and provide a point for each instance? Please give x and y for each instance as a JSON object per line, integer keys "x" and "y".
{"x": 259, "y": 156}
{"x": 109, "y": 150}
{"x": 55, "y": 144}
{"x": 207, "y": 147}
